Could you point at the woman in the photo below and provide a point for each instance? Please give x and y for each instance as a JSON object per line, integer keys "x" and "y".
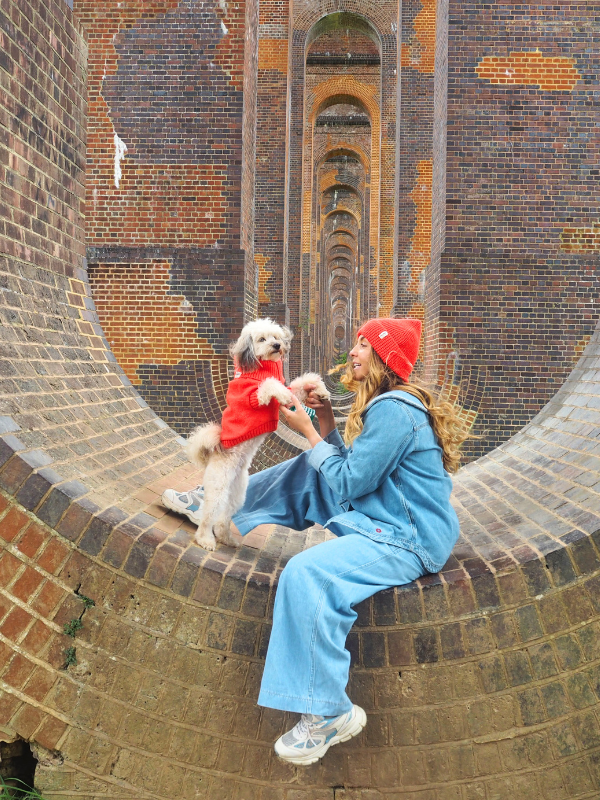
{"x": 385, "y": 494}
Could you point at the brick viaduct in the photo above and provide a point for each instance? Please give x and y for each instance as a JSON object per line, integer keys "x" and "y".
{"x": 169, "y": 168}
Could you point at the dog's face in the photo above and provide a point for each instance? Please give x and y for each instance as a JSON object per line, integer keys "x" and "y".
{"x": 261, "y": 340}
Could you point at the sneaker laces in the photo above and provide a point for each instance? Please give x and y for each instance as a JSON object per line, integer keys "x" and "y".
{"x": 304, "y": 728}
{"x": 300, "y": 731}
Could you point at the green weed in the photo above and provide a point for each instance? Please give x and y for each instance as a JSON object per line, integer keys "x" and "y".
{"x": 71, "y": 628}
{"x": 70, "y": 657}
{"x": 14, "y": 789}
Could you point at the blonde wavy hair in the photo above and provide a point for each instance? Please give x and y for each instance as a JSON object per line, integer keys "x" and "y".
{"x": 449, "y": 428}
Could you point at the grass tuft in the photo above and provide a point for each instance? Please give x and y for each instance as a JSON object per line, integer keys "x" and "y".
{"x": 87, "y": 601}
{"x": 15, "y": 789}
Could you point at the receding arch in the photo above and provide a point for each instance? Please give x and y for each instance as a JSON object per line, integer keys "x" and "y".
{"x": 342, "y": 20}
{"x": 345, "y": 149}
{"x": 336, "y": 99}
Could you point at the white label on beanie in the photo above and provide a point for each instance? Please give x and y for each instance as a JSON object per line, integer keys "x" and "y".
{"x": 383, "y": 334}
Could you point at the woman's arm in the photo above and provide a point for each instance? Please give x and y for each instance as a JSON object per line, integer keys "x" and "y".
{"x": 388, "y": 435}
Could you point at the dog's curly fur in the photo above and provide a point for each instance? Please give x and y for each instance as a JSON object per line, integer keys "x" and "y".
{"x": 226, "y": 469}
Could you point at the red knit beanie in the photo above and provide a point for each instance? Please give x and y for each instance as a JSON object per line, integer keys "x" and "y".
{"x": 396, "y": 342}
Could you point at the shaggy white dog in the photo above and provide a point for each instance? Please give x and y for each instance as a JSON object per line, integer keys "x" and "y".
{"x": 226, "y": 467}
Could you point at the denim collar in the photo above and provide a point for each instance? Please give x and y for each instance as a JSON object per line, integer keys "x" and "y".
{"x": 397, "y": 394}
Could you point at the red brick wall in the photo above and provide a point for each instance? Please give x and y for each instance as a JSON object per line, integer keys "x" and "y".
{"x": 42, "y": 199}
{"x": 271, "y": 147}
{"x": 167, "y": 79}
{"x": 519, "y": 275}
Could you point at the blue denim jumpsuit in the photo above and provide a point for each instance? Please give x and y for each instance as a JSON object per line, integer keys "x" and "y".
{"x": 387, "y": 499}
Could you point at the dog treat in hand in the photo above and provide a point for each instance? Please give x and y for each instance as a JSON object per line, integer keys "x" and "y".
{"x": 310, "y": 411}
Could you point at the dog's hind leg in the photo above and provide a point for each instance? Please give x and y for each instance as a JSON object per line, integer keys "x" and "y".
{"x": 215, "y": 484}
{"x": 237, "y": 490}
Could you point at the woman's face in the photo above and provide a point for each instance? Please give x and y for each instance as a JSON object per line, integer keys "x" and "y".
{"x": 360, "y": 357}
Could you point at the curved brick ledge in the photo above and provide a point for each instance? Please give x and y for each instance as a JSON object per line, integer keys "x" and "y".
{"x": 481, "y": 681}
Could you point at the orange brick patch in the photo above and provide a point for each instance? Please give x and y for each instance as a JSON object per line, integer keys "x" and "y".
{"x": 263, "y": 277}
{"x": 273, "y": 54}
{"x": 552, "y": 73}
{"x": 420, "y": 252}
{"x": 420, "y": 52}
{"x": 158, "y": 328}
{"x": 580, "y": 240}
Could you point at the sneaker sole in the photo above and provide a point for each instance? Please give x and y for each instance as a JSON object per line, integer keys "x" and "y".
{"x": 358, "y": 723}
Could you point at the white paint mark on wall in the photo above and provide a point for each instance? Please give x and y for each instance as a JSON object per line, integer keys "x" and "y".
{"x": 120, "y": 150}
{"x": 224, "y": 29}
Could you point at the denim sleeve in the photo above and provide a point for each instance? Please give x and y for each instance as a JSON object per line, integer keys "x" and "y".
{"x": 335, "y": 439}
{"x": 387, "y": 436}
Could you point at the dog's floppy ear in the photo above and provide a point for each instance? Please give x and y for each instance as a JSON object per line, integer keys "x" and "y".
{"x": 287, "y": 337}
{"x": 243, "y": 352}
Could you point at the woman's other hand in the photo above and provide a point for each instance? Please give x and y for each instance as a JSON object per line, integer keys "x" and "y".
{"x": 312, "y": 400}
{"x": 322, "y": 408}
{"x": 299, "y": 421}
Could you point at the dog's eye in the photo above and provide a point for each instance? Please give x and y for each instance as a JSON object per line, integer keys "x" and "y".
{"x": 262, "y": 338}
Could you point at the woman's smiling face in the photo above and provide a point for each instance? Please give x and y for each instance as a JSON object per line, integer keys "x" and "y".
{"x": 360, "y": 357}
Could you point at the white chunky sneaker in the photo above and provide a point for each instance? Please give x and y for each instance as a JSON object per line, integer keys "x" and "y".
{"x": 311, "y": 738}
{"x": 187, "y": 503}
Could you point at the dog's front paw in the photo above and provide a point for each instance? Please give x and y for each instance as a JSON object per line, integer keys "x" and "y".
{"x": 284, "y": 397}
{"x": 298, "y": 385}
{"x": 271, "y": 388}
{"x": 205, "y": 538}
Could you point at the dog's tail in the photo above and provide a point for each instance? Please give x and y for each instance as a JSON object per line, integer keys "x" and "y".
{"x": 203, "y": 441}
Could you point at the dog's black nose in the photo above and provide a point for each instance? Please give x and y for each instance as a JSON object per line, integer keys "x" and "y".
{"x": 277, "y": 346}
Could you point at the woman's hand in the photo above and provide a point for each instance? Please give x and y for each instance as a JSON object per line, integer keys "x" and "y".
{"x": 323, "y": 409}
{"x": 299, "y": 421}
{"x": 312, "y": 400}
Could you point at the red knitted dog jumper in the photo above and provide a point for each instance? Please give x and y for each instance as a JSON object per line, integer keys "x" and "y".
{"x": 244, "y": 418}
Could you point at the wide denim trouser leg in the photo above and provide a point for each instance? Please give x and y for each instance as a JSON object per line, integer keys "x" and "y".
{"x": 307, "y": 663}
{"x": 291, "y": 494}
